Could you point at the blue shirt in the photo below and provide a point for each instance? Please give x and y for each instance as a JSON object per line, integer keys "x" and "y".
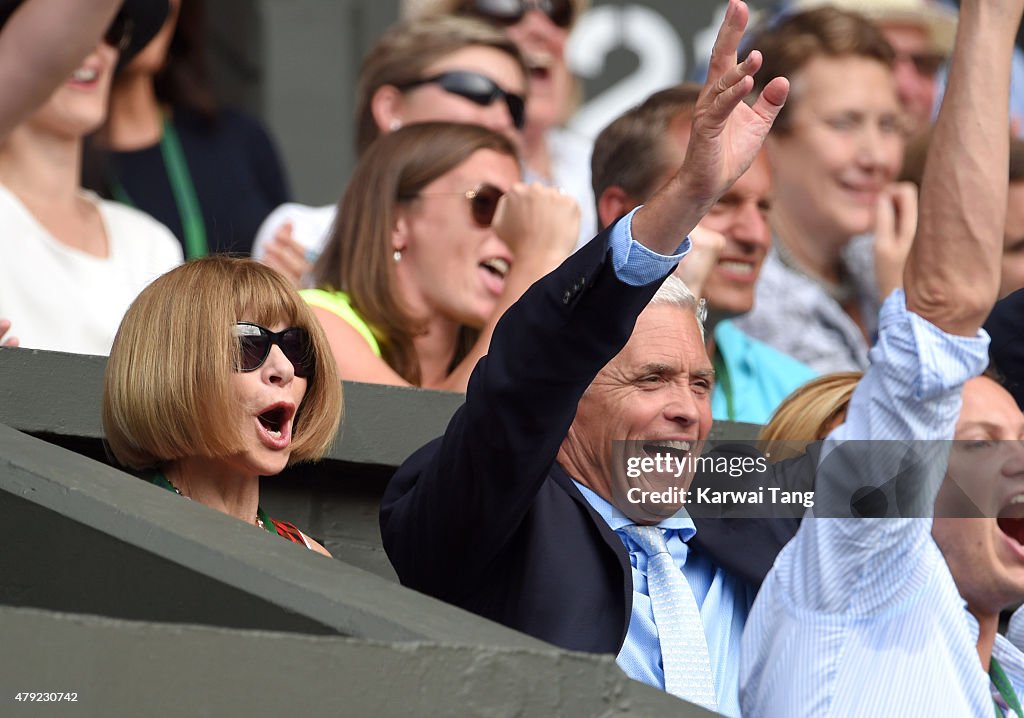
{"x": 634, "y": 263}
{"x": 863, "y": 617}
{"x": 723, "y": 599}
{"x": 757, "y": 376}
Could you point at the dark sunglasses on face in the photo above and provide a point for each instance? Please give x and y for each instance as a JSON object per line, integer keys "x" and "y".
{"x": 119, "y": 34}
{"x": 255, "y": 342}
{"x": 476, "y": 88}
{"x": 509, "y": 12}
{"x": 483, "y": 201}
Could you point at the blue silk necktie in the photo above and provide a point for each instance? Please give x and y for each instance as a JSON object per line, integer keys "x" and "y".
{"x": 684, "y": 647}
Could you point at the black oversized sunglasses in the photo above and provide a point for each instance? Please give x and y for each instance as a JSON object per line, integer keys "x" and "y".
{"x": 476, "y": 88}
{"x": 254, "y": 343}
{"x": 509, "y": 12}
{"x": 119, "y": 33}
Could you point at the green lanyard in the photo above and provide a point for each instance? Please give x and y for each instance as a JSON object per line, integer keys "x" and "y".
{"x": 1002, "y": 684}
{"x": 183, "y": 190}
{"x": 722, "y": 377}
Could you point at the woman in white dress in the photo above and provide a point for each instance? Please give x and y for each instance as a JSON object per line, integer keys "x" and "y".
{"x": 72, "y": 263}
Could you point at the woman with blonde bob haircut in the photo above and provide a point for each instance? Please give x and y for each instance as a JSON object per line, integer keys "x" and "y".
{"x": 220, "y": 374}
{"x": 808, "y": 414}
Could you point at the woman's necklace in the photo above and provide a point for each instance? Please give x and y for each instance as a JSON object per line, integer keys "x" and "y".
{"x": 258, "y": 522}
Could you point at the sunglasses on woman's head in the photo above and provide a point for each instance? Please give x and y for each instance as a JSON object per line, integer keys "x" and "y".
{"x": 476, "y": 88}
{"x": 255, "y": 342}
{"x": 509, "y": 12}
{"x": 119, "y": 33}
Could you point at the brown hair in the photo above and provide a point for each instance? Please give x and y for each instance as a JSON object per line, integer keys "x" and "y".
{"x": 358, "y": 256}
{"x": 403, "y": 53}
{"x": 808, "y": 414}
{"x": 790, "y": 43}
{"x": 629, "y": 153}
{"x": 167, "y": 391}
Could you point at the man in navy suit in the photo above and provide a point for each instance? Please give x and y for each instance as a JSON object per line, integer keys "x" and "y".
{"x": 518, "y": 513}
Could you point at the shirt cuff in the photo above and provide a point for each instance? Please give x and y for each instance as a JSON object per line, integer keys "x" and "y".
{"x": 943, "y": 361}
{"x": 634, "y": 263}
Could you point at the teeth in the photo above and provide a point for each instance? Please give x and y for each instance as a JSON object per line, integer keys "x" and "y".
{"x": 677, "y": 445}
{"x": 275, "y": 434}
{"x": 539, "y": 60}
{"x": 737, "y": 267}
{"x": 1018, "y": 499}
{"x": 84, "y": 74}
{"x": 498, "y": 265}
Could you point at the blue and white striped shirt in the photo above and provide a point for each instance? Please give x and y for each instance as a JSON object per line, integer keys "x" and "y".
{"x": 861, "y": 617}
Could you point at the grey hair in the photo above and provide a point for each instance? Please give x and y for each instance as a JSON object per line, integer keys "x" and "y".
{"x": 674, "y": 292}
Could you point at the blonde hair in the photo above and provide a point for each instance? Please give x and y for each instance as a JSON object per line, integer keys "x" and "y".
{"x": 167, "y": 391}
{"x": 808, "y": 414}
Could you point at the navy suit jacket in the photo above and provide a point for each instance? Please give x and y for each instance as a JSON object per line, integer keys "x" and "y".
{"x": 484, "y": 517}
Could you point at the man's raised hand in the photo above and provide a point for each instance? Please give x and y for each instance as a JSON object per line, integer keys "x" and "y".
{"x": 724, "y": 140}
{"x": 727, "y": 134}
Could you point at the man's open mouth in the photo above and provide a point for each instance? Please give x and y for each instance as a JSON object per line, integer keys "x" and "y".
{"x": 1011, "y": 518}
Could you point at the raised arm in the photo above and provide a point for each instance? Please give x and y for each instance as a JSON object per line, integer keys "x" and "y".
{"x": 40, "y": 45}
{"x": 724, "y": 140}
{"x": 926, "y": 349}
{"x": 952, "y": 275}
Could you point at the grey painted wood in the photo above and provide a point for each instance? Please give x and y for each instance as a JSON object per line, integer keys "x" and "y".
{"x": 81, "y": 536}
{"x": 121, "y": 668}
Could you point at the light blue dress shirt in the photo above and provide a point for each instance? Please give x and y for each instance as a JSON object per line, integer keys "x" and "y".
{"x": 634, "y": 263}
{"x": 861, "y": 617}
{"x": 723, "y": 600}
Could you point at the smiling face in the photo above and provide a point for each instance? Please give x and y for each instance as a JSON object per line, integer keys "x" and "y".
{"x": 986, "y": 476}
{"x": 843, "y": 146}
{"x": 653, "y": 398}
{"x": 451, "y": 266}
{"x": 431, "y": 102}
{"x": 79, "y": 106}
{"x": 542, "y": 43}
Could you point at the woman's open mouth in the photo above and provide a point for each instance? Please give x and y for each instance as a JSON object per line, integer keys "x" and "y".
{"x": 275, "y": 425}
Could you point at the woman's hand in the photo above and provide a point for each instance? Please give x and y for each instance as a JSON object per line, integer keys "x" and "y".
{"x": 895, "y": 227}
{"x": 11, "y": 341}
{"x": 539, "y": 224}
{"x": 695, "y": 268}
{"x": 287, "y": 256}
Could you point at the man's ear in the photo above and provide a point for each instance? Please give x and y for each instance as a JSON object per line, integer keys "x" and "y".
{"x": 612, "y": 204}
{"x": 386, "y": 108}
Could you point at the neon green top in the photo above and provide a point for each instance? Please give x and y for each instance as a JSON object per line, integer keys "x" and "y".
{"x": 338, "y": 303}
